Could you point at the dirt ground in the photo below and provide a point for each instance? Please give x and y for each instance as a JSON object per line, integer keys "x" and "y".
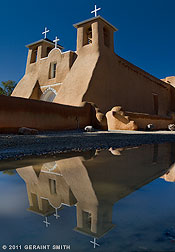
{"x": 49, "y": 143}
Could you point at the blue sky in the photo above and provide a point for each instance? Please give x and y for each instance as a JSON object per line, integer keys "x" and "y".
{"x": 146, "y": 35}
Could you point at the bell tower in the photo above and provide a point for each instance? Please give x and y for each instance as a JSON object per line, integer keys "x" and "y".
{"x": 95, "y": 32}
{"x": 38, "y": 50}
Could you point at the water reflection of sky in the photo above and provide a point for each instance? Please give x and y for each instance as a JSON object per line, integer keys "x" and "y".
{"x": 144, "y": 219}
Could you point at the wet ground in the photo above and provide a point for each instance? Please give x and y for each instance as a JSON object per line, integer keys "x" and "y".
{"x": 20, "y": 146}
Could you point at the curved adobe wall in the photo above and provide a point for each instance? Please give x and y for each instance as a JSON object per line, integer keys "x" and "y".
{"x": 19, "y": 112}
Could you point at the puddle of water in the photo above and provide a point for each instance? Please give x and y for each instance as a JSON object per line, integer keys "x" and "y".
{"x": 121, "y": 199}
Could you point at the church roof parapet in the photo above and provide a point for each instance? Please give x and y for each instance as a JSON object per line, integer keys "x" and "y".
{"x": 93, "y": 19}
{"x": 142, "y": 72}
{"x": 45, "y": 41}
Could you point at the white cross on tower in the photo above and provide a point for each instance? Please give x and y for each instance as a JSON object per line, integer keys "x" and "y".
{"x": 94, "y": 242}
{"x": 56, "y": 213}
{"x": 55, "y": 41}
{"x": 45, "y": 33}
{"x": 95, "y": 11}
{"x": 46, "y": 222}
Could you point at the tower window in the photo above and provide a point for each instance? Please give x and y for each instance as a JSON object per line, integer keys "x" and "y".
{"x": 45, "y": 51}
{"x": 34, "y": 55}
{"x": 52, "y": 185}
{"x": 86, "y": 219}
{"x": 48, "y": 50}
{"x": 87, "y": 35}
{"x": 52, "y": 73}
{"x": 106, "y": 34}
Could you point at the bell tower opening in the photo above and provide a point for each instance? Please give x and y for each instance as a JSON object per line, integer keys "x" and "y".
{"x": 89, "y": 35}
{"x": 34, "y": 55}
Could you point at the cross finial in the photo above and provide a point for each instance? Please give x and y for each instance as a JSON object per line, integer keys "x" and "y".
{"x": 56, "y": 213}
{"x": 94, "y": 242}
{"x": 56, "y": 40}
{"x": 45, "y": 32}
{"x": 96, "y": 10}
{"x": 46, "y": 222}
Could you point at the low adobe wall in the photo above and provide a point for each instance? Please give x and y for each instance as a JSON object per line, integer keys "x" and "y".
{"x": 18, "y": 112}
{"x": 117, "y": 119}
{"x": 142, "y": 120}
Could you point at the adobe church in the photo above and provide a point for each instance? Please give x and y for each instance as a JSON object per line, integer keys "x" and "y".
{"x": 124, "y": 96}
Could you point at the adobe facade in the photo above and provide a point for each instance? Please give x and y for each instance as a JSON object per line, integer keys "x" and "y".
{"x": 95, "y": 73}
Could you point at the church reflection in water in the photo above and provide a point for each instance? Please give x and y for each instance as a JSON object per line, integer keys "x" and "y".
{"x": 94, "y": 181}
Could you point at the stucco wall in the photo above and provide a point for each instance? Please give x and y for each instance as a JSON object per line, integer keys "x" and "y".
{"x": 77, "y": 80}
{"x": 20, "y": 112}
{"x": 100, "y": 76}
{"x": 120, "y": 83}
{"x": 142, "y": 120}
{"x": 172, "y": 90}
{"x": 39, "y": 72}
